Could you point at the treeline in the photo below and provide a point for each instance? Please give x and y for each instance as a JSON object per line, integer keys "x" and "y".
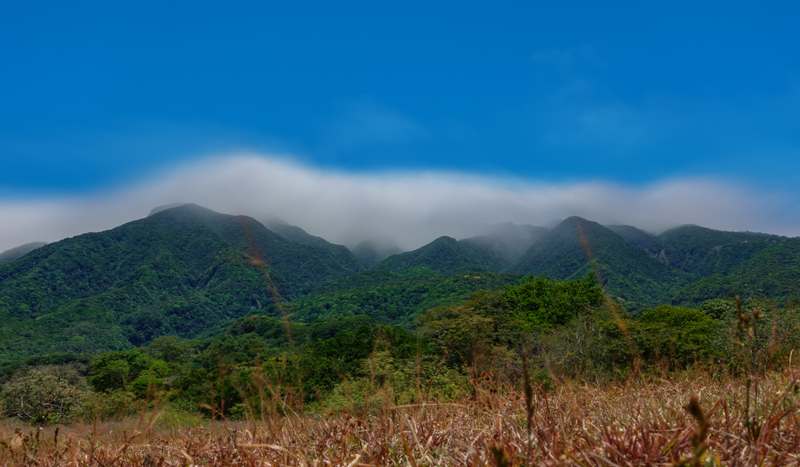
{"x": 269, "y": 365}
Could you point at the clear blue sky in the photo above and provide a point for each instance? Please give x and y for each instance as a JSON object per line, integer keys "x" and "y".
{"x": 96, "y": 93}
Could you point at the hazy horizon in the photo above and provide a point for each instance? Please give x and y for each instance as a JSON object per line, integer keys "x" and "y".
{"x": 406, "y": 208}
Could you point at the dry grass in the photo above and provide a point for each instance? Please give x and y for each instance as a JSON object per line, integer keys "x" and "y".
{"x": 644, "y": 423}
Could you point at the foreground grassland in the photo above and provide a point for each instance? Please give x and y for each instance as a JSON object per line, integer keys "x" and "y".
{"x": 643, "y": 421}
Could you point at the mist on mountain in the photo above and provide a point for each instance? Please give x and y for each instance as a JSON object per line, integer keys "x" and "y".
{"x": 403, "y": 208}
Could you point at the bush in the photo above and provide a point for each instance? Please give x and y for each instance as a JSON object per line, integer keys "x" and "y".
{"x": 112, "y": 405}
{"x": 130, "y": 370}
{"x": 45, "y": 395}
{"x": 388, "y": 382}
{"x": 596, "y": 346}
{"x": 357, "y": 397}
{"x": 678, "y": 336}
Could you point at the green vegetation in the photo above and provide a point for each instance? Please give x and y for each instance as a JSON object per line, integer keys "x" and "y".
{"x": 772, "y": 272}
{"x": 685, "y": 266}
{"x": 349, "y": 361}
{"x": 45, "y": 395}
{"x": 678, "y": 336}
{"x": 180, "y": 272}
{"x": 394, "y": 297}
{"x": 218, "y": 315}
{"x": 446, "y": 255}
{"x": 187, "y": 271}
{"x": 20, "y": 251}
{"x": 628, "y": 272}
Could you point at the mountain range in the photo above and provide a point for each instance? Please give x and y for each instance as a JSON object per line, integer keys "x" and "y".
{"x": 186, "y": 270}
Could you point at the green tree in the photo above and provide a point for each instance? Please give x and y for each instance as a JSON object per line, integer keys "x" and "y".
{"x": 45, "y": 395}
{"x": 113, "y": 371}
{"x": 680, "y": 336}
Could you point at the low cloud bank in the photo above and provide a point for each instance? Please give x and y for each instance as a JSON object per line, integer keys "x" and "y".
{"x": 407, "y": 208}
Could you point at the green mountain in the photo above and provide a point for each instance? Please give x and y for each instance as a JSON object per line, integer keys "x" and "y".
{"x": 772, "y": 272}
{"x": 188, "y": 271}
{"x": 20, "y": 251}
{"x": 685, "y": 265}
{"x": 724, "y": 264}
{"x": 627, "y": 271}
{"x": 179, "y": 271}
{"x": 339, "y": 254}
{"x": 701, "y": 251}
{"x": 447, "y": 255}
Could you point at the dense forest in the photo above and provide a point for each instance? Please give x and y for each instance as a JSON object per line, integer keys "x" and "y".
{"x": 203, "y": 311}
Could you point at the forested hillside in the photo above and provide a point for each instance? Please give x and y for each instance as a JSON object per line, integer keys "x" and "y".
{"x": 684, "y": 265}
{"x": 626, "y": 270}
{"x": 188, "y": 271}
{"x": 394, "y": 297}
{"x": 180, "y": 271}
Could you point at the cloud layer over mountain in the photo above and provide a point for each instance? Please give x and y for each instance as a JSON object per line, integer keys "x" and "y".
{"x": 409, "y": 208}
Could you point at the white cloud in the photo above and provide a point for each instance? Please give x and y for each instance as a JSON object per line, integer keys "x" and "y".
{"x": 410, "y": 208}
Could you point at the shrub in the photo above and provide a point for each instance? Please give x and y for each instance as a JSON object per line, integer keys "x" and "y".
{"x": 111, "y": 405}
{"x": 45, "y": 395}
{"x": 676, "y": 335}
{"x": 596, "y": 346}
{"x": 356, "y": 396}
{"x": 127, "y": 370}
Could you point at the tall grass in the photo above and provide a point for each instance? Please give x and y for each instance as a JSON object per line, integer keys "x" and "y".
{"x": 691, "y": 419}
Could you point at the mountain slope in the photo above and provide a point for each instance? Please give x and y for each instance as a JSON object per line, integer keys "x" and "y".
{"x": 701, "y": 251}
{"x": 20, "y": 251}
{"x": 187, "y": 270}
{"x": 394, "y": 297}
{"x": 179, "y": 271}
{"x": 628, "y": 272}
{"x": 446, "y": 255}
{"x": 638, "y": 238}
{"x": 338, "y": 254}
{"x": 773, "y": 272}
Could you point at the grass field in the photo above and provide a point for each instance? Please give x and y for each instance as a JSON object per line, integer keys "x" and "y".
{"x": 641, "y": 422}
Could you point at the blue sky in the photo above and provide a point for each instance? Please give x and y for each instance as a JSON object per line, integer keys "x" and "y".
{"x": 97, "y": 93}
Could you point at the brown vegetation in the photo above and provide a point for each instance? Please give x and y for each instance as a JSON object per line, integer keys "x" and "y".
{"x": 688, "y": 419}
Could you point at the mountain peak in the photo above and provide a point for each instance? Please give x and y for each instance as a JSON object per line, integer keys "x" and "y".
{"x": 576, "y": 220}
{"x": 446, "y": 255}
{"x": 444, "y": 240}
{"x": 574, "y": 224}
{"x": 181, "y": 208}
{"x": 192, "y": 214}
{"x": 569, "y": 250}
{"x": 165, "y": 207}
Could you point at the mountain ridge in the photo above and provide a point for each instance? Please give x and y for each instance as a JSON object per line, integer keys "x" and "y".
{"x": 179, "y": 271}
{"x": 446, "y": 255}
{"x": 187, "y": 270}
